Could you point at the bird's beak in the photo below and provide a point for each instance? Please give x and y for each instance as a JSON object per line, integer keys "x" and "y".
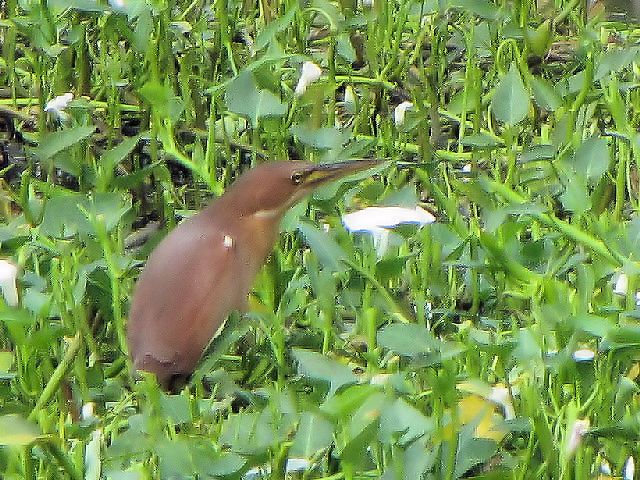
{"x": 325, "y": 172}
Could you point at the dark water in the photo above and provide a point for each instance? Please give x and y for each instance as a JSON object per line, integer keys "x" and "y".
{"x": 622, "y": 10}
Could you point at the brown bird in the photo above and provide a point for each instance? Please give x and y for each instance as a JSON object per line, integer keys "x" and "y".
{"x": 203, "y": 270}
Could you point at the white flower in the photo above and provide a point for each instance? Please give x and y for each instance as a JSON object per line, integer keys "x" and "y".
{"x": 8, "y": 274}
{"x": 578, "y": 430}
{"x": 400, "y": 111}
{"x": 380, "y": 379}
{"x": 377, "y": 221}
{"x": 629, "y": 469}
{"x": 350, "y": 99}
{"x": 88, "y": 411}
{"x": 372, "y": 218}
{"x": 622, "y": 284}
{"x": 500, "y": 395}
{"x": 584, "y": 355}
{"x": 93, "y": 463}
{"x": 605, "y": 468}
{"x": 58, "y": 104}
{"x": 310, "y": 73}
{"x": 293, "y": 465}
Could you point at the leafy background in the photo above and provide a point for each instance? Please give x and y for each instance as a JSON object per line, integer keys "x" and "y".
{"x": 498, "y": 342}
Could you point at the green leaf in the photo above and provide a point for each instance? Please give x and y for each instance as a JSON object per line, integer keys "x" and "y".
{"x": 176, "y": 408}
{"x": 174, "y": 457}
{"x": 593, "y": 324}
{"x": 17, "y": 431}
{"x": 114, "y": 156}
{"x": 616, "y": 60}
{"x": 592, "y": 158}
{"x": 576, "y": 197}
{"x": 482, "y": 141}
{"x": 278, "y": 25}
{"x": 314, "y": 433}
{"x": 81, "y": 5}
{"x": 544, "y": 94}
{"x": 328, "y": 251}
{"x": 243, "y": 97}
{"x": 210, "y": 463}
{"x": 481, "y": 8}
{"x": 62, "y": 218}
{"x": 473, "y": 451}
{"x": 330, "y": 12}
{"x": 56, "y": 142}
{"x": 163, "y": 100}
{"x": 400, "y": 417}
{"x": 407, "y": 339}
{"x": 320, "y": 367}
{"x": 326, "y": 138}
{"x": 510, "y": 102}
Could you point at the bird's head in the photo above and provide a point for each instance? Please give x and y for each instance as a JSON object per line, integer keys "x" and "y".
{"x": 271, "y": 189}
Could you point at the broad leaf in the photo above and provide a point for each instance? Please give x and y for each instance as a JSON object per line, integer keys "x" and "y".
{"x": 510, "y": 103}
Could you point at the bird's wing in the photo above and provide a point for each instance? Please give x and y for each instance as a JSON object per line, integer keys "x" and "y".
{"x": 183, "y": 296}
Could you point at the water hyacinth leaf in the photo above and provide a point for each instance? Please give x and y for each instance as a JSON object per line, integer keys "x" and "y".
{"x": 418, "y": 459}
{"x": 544, "y": 94}
{"x": 527, "y": 350}
{"x": 400, "y": 417}
{"x": 592, "y": 158}
{"x": 539, "y": 152}
{"x": 17, "y": 431}
{"x": 593, "y": 324}
{"x": 510, "y": 103}
{"x": 176, "y": 408}
{"x": 348, "y": 400}
{"x": 162, "y": 99}
{"x": 53, "y": 143}
{"x": 62, "y": 218}
{"x": 391, "y": 267}
{"x": 481, "y": 141}
{"x": 481, "y": 8}
{"x": 369, "y": 411}
{"x": 620, "y": 337}
{"x": 576, "y": 196}
{"x": 319, "y": 367}
{"x": 330, "y": 254}
{"x": 345, "y": 49}
{"x": 209, "y": 462}
{"x": 539, "y": 39}
{"x": 80, "y": 5}
{"x": 320, "y": 138}
{"x": 471, "y": 452}
{"x": 266, "y": 35}
{"x": 6, "y": 365}
{"x": 357, "y": 452}
{"x": 330, "y": 12}
{"x": 407, "y": 339}
{"x": 114, "y": 156}
{"x": 615, "y": 61}
{"x": 174, "y": 457}
{"x": 314, "y": 433}
{"x": 243, "y": 97}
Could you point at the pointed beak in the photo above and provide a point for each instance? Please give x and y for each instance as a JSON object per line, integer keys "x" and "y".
{"x": 325, "y": 172}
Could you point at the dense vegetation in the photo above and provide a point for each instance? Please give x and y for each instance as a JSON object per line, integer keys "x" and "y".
{"x": 501, "y": 341}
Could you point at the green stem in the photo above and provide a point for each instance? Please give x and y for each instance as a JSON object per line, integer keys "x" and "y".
{"x": 58, "y": 375}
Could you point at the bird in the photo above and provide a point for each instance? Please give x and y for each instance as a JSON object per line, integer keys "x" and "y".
{"x": 204, "y": 268}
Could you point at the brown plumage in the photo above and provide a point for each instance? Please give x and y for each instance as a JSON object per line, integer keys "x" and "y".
{"x": 205, "y": 267}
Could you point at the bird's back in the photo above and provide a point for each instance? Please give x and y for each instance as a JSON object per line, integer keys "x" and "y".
{"x": 183, "y": 297}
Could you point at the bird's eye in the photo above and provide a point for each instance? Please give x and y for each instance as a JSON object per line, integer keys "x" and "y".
{"x": 296, "y": 178}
